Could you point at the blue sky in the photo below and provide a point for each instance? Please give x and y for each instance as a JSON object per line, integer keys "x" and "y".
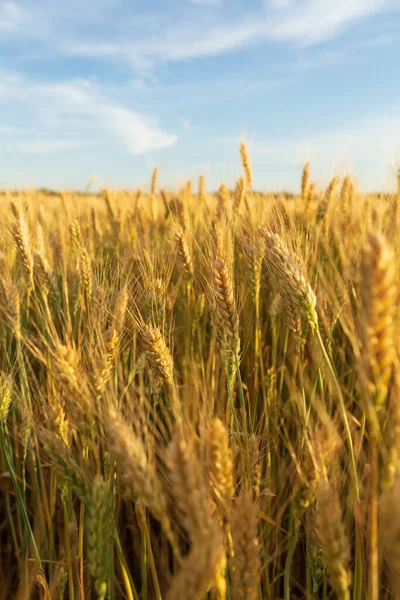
{"x": 111, "y": 88}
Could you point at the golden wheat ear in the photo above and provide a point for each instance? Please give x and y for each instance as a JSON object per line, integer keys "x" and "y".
{"x": 304, "y": 181}
{"x": 245, "y": 565}
{"x": 5, "y": 395}
{"x": 225, "y": 317}
{"x": 200, "y": 568}
{"x": 289, "y": 279}
{"x": 154, "y": 182}
{"x": 137, "y": 473}
{"x": 378, "y": 299}
{"x": 246, "y": 164}
{"x": 158, "y": 352}
{"x": 21, "y": 235}
{"x": 334, "y": 543}
{"x": 221, "y": 468}
{"x": 188, "y": 486}
{"x": 185, "y": 255}
{"x": 240, "y": 192}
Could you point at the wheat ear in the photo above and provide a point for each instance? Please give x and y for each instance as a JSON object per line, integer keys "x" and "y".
{"x": 334, "y": 543}
{"x": 378, "y": 297}
{"x": 246, "y": 164}
{"x": 99, "y": 533}
{"x": 245, "y": 564}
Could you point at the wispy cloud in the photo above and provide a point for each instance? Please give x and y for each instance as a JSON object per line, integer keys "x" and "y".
{"x": 140, "y": 133}
{"x": 132, "y": 97}
{"x": 304, "y": 22}
{"x": 159, "y": 37}
{"x": 311, "y": 21}
{"x": 60, "y": 105}
{"x": 11, "y": 16}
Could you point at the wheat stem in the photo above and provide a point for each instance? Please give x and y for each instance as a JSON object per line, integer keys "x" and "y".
{"x": 342, "y": 407}
{"x": 18, "y": 493}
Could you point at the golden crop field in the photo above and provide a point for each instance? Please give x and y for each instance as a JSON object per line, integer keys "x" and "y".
{"x": 200, "y": 393}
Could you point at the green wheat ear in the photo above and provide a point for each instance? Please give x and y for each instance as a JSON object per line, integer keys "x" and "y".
{"x": 5, "y": 396}
{"x": 99, "y": 532}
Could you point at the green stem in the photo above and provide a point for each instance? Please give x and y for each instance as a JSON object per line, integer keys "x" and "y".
{"x": 358, "y": 579}
{"x": 243, "y": 407}
{"x": 19, "y": 496}
{"x": 285, "y": 349}
{"x": 342, "y": 407}
{"x": 82, "y": 515}
{"x": 294, "y": 524}
{"x": 152, "y": 565}
{"x": 256, "y": 360}
{"x": 144, "y": 558}
{"x": 373, "y": 563}
{"x": 130, "y": 589}
{"x": 68, "y": 552}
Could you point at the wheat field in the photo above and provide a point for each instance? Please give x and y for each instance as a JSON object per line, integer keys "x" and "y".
{"x": 200, "y": 393}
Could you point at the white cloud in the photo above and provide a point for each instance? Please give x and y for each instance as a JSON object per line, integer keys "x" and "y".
{"x": 140, "y": 133}
{"x": 301, "y": 21}
{"x": 11, "y": 16}
{"x": 79, "y": 102}
{"x": 316, "y": 20}
{"x": 78, "y": 107}
{"x": 154, "y": 37}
